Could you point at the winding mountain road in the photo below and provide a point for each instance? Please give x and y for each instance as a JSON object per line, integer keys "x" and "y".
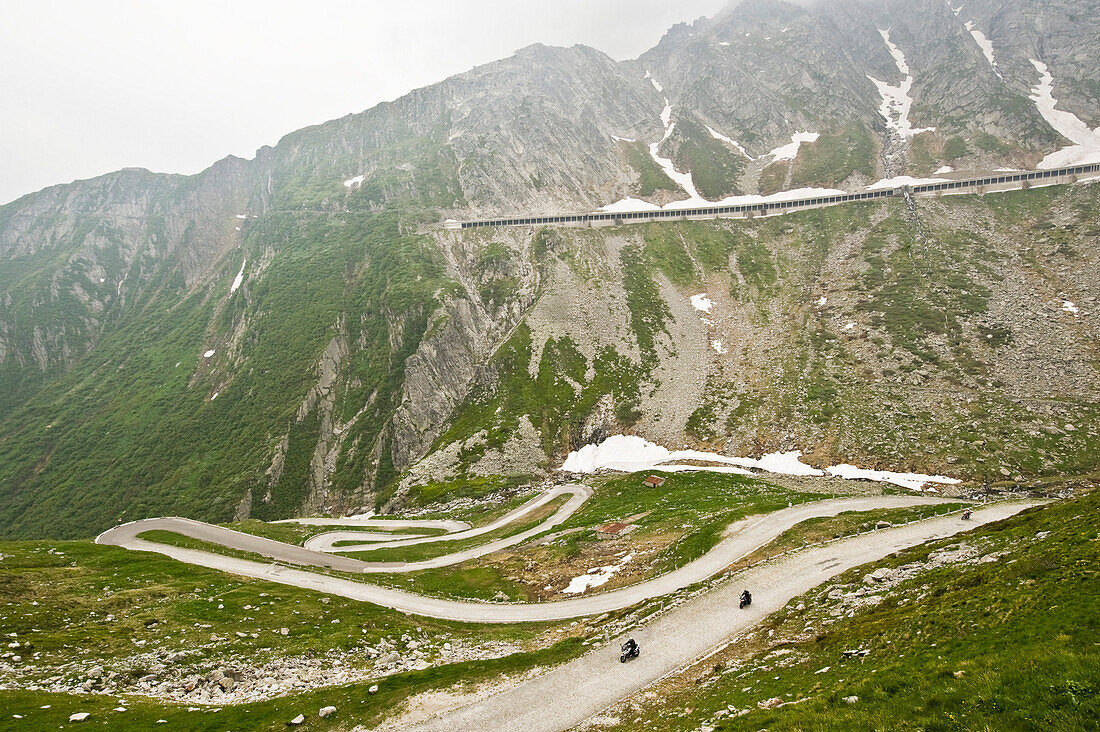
{"x": 580, "y": 493}
{"x": 590, "y": 684}
{"x": 741, "y": 538}
{"x": 571, "y": 693}
{"x": 128, "y": 535}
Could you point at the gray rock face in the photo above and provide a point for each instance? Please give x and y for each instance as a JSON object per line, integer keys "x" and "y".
{"x": 135, "y": 262}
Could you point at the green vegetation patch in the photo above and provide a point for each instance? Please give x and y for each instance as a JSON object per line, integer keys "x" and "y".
{"x": 651, "y": 178}
{"x": 834, "y": 157}
{"x": 715, "y": 168}
{"x": 1002, "y": 644}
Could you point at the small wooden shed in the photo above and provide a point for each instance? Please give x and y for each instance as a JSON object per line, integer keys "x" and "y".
{"x": 654, "y": 481}
{"x": 612, "y": 530}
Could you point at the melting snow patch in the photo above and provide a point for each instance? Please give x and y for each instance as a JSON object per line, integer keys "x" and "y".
{"x": 822, "y": 300}
{"x": 616, "y": 138}
{"x": 242, "y": 216}
{"x": 654, "y": 82}
{"x": 896, "y": 101}
{"x": 944, "y": 169}
{"x": 356, "y": 181}
{"x": 701, "y": 302}
{"x": 850, "y": 325}
{"x": 215, "y": 396}
{"x": 790, "y": 150}
{"x": 956, "y": 10}
{"x": 717, "y": 346}
{"x": 684, "y": 180}
{"x": 723, "y": 43}
{"x": 208, "y": 354}
{"x": 630, "y": 453}
{"x": 985, "y": 44}
{"x": 666, "y": 120}
{"x": 914, "y": 481}
{"x": 719, "y": 136}
{"x": 238, "y": 279}
{"x": 631, "y": 204}
{"x": 902, "y": 180}
{"x": 1086, "y": 142}
{"x": 595, "y": 577}
{"x": 1069, "y": 307}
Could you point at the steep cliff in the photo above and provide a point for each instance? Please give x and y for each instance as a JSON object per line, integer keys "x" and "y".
{"x": 296, "y": 332}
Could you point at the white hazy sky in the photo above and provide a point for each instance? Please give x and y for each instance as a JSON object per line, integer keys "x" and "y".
{"x": 90, "y": 86}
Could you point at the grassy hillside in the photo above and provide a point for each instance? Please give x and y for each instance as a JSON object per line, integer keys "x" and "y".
{"x": 942, "y": 345}
{"x": 1002, "y": 639}
{"x": 145, "y": 424}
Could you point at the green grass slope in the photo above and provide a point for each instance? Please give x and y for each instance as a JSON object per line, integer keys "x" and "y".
{"x": 1004, "y": 642}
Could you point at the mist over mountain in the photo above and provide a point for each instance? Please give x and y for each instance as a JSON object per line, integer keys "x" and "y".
{"x": 297, "y": 332}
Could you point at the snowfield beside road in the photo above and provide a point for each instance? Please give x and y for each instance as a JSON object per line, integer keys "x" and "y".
{"x": 629, "y": 453}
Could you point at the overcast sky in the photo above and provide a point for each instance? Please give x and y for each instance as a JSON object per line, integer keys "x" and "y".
{"x": 90, "y": 86}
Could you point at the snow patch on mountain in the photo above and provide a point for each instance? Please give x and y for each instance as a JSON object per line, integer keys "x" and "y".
{"x": 913, "y": 481}
{"x": 354, "y": 182}
{"x": 595, "y": 576}
{"x": 790, "y": 150}
{"x": 902, "y": 180}
{"x": 737, "y": 145}
{"x": 896, "y": 101}
{"x": 1086, "y": 142}
{"x": 238, "y": 279}
{"x": 630, "y": 453}
{"x": 985, "y": 44}
{"x": 684, "y": 180}
{"x": 654, "y": 82}
{"x": 630, "y": 204}
{"x": 701, "y": 302}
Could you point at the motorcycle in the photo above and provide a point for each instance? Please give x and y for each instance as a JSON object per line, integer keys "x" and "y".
{"x": 630, "y": 649}
{"x": 746, "y": 599}
{"x": 966, "y": 515}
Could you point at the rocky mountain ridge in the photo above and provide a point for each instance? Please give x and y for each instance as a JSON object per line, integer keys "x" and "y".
{"x": 296, "y": 333}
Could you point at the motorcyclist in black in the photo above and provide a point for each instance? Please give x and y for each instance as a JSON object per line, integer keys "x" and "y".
{"x": 630, "y": 647}
{"x": 746, "y": 598}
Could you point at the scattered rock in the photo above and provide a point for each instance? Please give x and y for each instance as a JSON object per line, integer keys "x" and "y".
{"x": 95, "y": 672}
{"x": 79, "y": 717}
{"x": 770, "y": 703}
{"x": 851, "y": 699}
{"x": 883, "y": 525}
{"x": 373, "y": 689}
{"x": 297, "y": 720}
{"x": 326, "y": 712}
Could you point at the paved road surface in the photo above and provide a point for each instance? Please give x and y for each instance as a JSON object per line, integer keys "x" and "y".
{"x": 741, "y": 538}
{"x": 324, "y": 542}
{"x": 570, "y": 694}
{"x": 127, "y": 535}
